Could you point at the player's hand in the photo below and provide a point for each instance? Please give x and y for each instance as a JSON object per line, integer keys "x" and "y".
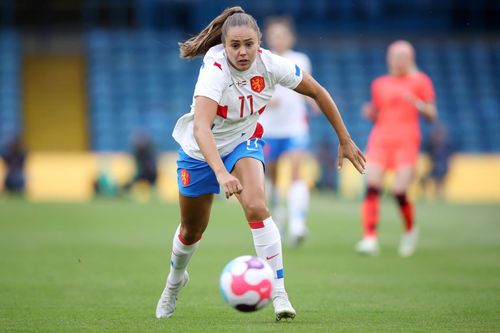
{"x": 369, "y": 111}
{"x": 413, "y": 99}
{"x": 349, "y": 150}
{"x": 229, "y": 183}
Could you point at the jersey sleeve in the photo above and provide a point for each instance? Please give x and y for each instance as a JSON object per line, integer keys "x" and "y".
{"x": 375, "y": 94}
{"x": 211, "y": 81}
{"x": 426, "y": 89}
{"x": 286, "y": 73}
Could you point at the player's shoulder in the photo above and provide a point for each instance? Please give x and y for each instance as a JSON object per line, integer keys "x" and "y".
{"x": 215, "y": 62}
{"x": 382, "y": 79}
{"x": 214, "y": 53}
{"x": 421, "y": 76}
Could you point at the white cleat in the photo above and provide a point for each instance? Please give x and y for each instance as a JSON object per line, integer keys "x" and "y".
{"x": 368, "y": 246}
{"x": 408, "y": 243}
{"x": 166, "y": 303}
{"x": 282, "y": 306}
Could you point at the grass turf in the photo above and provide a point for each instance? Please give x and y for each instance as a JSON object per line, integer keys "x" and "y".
{"x": 100, "y": 267}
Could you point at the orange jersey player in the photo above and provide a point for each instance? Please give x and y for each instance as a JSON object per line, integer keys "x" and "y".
{"x": 398, "y": 99}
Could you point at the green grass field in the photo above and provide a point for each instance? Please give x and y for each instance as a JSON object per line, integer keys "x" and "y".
{"x": 100, "y": 267}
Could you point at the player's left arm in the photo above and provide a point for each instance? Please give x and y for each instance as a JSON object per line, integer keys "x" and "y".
{"x": 427, "y": 109}
{"x": 307, "y": 68}
{"x": 347, "y": 148}
{"x": 424, "y": 100}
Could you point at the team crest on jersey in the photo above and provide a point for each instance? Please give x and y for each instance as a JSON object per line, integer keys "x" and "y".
{"x": 185, "y": 177}
{"x": 257, "y": 83}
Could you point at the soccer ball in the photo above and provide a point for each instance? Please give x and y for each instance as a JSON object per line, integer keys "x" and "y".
{"x": 246, "y": 283}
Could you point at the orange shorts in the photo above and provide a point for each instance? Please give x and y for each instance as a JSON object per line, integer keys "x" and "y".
{"x": 392, "y": 154}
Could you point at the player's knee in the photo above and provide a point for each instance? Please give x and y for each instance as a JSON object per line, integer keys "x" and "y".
{"x": 401, "y": 198}
{"x": 372, "y": 192}
{"x": 256, "y": 209}
{"x": 191, "y": 234}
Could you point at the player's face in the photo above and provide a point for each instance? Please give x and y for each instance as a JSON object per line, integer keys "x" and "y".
{"x": 400, "y": 59}
{"x": 279, "y": 38}
{"x": 242, "y": 44}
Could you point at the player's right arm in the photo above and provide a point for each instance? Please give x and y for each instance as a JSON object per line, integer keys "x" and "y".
{"x": 204, "y": 115}
{"x": 369, "y": 109}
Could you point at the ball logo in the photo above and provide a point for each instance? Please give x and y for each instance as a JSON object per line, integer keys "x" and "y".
{"x": 257, "y": 83}
{"x": 185, "y": 177}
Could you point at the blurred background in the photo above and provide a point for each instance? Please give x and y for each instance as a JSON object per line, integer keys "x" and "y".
{"x": 90, "y": 89}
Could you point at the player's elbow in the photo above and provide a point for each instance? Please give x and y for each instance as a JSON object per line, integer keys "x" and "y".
{"x": 316, "y": 91}
{"x": 310, "y": 87}
{"x": 320, "y": 95}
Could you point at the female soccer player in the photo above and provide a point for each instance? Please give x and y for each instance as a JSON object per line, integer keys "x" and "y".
{"x": 221, "y": 143}
{"x": 290, "y": 137}
{"x": 394, "y": 143}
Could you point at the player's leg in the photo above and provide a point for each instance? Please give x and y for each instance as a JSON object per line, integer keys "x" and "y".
{"x": 406, "y": 157}
{"x": 272, "y": 154}
{"x": 197, "y": 183}
{"x": 402, "y": 181}
{"x": 195, "y": 213}
{"x": 272, "y": 174}
{"x": 298, "y": 199}
{"x": 274, "y": 196}
{"x": 265, "y": 233}
{"x": 370, "y": 210}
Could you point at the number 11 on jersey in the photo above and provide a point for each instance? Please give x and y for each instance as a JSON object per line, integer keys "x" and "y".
{"x": 242, "y": 107}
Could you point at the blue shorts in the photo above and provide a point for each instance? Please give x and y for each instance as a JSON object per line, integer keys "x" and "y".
{"x": 195, "y": 178}
{"x": 276, "y": 147}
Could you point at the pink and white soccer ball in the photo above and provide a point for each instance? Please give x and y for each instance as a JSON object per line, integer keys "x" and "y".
{"x": 246, "y": 283}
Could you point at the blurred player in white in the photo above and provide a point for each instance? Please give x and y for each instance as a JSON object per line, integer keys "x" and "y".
{"x": 222, "y": 147}
{"x": 287, "y": 133}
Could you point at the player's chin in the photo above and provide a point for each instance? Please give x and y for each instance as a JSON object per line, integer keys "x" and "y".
{"x": 243, "y": 65}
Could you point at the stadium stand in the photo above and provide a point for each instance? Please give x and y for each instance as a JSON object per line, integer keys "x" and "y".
{"x": 137, "y": 81}
{"x": 10, "y": 111}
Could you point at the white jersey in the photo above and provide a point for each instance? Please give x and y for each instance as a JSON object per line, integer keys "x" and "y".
{"x": 241, "y": 96}
{"x": 289, "y": 105}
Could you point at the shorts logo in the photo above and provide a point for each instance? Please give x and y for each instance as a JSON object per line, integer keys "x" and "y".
{"x": 257, "y": 83}
{"x": 185, "y": 177}
{"x": 255, "y": 144}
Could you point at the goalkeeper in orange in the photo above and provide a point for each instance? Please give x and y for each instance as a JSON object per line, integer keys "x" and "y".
{"x": 399, "y": 98}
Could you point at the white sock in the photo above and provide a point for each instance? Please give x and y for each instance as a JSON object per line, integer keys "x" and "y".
{"x": 267, "y": 241}
{"x": 298, "y": 206}
{"x": 181, "y": 255}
